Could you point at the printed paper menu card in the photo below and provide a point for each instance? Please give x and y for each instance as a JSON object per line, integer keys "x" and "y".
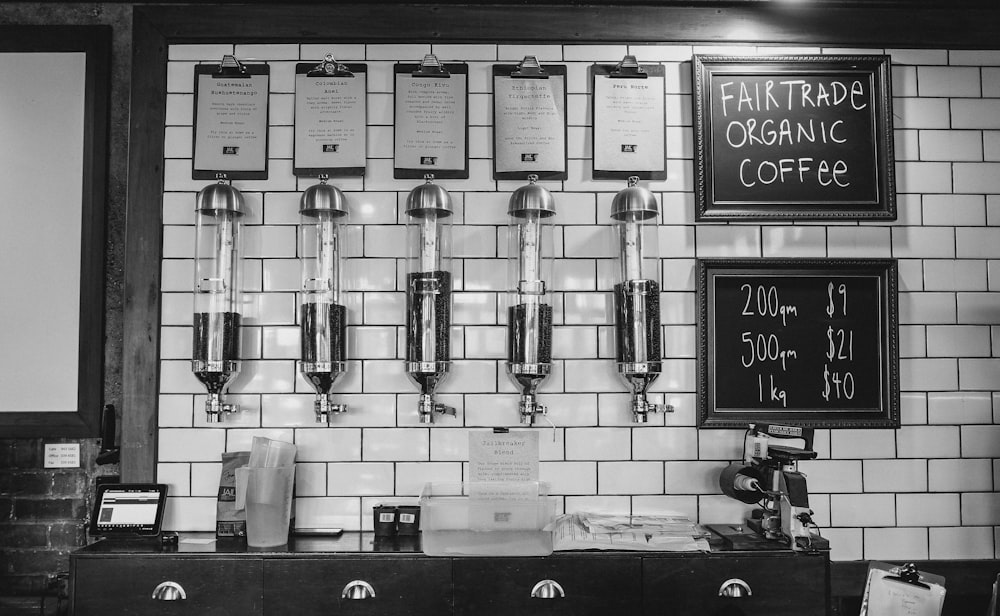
{"x": 431, "y": 122}
{"x": 230, "y": 122}
{"x": 330, "y": 121}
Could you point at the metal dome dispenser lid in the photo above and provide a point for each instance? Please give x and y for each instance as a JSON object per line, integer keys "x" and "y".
{"x": 532, "y": 198}
{"x": 634, "y": 203}
{"x": 323, "y": 197}
{"x": 220, "y": 196}
{"x": 428, "y": 198}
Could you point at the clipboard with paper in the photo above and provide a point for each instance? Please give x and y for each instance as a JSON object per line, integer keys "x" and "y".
{"x": 902, "y": 591}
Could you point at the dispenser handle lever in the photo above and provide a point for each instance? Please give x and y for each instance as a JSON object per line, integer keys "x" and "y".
{"x": 444, "y": 409}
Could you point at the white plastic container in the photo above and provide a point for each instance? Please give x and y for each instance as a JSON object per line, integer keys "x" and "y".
{"x": 486, "y": 519}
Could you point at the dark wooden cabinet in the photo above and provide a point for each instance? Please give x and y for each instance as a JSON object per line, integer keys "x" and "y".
{"x": 745, "y": 585}
{"x": 556, "y": 585}
{"x": 347, "y": 576}
{"x": 357, "y": 586}
{"x": 156, "y": 585}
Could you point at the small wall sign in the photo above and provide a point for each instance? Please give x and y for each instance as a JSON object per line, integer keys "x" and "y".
{"x": 330, "y": 119}
{"x": 431, "y": 132}
{"x": 230, "y": 120}
{"x": 529, "y": 120}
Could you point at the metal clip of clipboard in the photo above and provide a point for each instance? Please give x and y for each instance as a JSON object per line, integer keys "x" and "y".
{"x": 628, "y": 68}
{"x": 907, "y": 574}
{"x": 231, "y": 67}
{"x": 430, "y": 66}
{"x": 529, "y": 68}
{"x": 329, "y": 67}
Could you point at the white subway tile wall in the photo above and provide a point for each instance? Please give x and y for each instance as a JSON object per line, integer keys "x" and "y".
{"x": 927, "y": 490}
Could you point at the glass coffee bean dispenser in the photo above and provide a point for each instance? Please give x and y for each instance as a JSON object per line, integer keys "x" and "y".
{"x": 218, "y": 285}
{"x": 428, "y": 293}
{"x": 529, "y": 308}
{"x": 322, "y": 312}
{"x": 637, "y": 295}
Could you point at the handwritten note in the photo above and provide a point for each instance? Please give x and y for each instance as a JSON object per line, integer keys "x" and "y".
{"x": 793, "y": 137}
{"x": 815, "y": 338}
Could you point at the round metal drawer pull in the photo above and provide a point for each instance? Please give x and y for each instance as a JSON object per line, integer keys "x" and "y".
{"x": 169, "y": 591}
{"x": 358, "y": 589}
{"x": 735, "y": 588}
{"x": 548, "y": 589}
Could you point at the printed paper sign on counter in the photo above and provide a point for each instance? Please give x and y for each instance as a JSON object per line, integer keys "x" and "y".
{"x": 510, "y": 456}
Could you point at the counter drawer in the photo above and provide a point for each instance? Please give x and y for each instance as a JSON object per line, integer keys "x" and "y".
{"x": 792, "y": 584}
{"x": 125, "y": 586}
{"x": 594, "y": 584}
{"x": 398, "y": 585}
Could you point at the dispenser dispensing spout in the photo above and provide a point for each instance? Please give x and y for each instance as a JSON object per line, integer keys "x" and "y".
{"x": 529, "y": 310}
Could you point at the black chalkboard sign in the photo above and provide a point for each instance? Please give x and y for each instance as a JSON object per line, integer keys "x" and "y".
{"x": 793, "y": 137}
{"x": 812, "y": 342}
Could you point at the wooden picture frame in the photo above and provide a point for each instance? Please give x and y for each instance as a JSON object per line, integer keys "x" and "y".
{"x": 81, "y": 419}
{"x": 806, "y": 342}
{"x": 793, "y": 138}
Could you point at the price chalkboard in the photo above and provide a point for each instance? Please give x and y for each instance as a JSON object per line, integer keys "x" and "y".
{"x": 812, "y": 342}
{"x": 794, "y": 137}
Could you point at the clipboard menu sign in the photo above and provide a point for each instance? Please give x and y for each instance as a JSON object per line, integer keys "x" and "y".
{"x": 629, "y": 110}
{"x": 431, "y": 120}
{"x": 902, "y": 591}
{"x": 529, "y": 121}
{"x": 230, "y": 120}
{"x": 330, "y": 119}
{"x": 796, "y": 137}
{"x": 811, "y": 342}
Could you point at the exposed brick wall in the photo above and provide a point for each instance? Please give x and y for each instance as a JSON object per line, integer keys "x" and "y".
{"x": 43, "y": 515}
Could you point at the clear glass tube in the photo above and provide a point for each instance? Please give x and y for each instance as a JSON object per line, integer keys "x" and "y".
{"x": 428, "y": 285}
{"x": 638, "y": 346}
{"x": 637, "y": 290}
{"x": 529, "y": 310}
{"x": 638, "y": 248}
{"x": 323, "y": 315}
{"x": 218, "y": 286}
